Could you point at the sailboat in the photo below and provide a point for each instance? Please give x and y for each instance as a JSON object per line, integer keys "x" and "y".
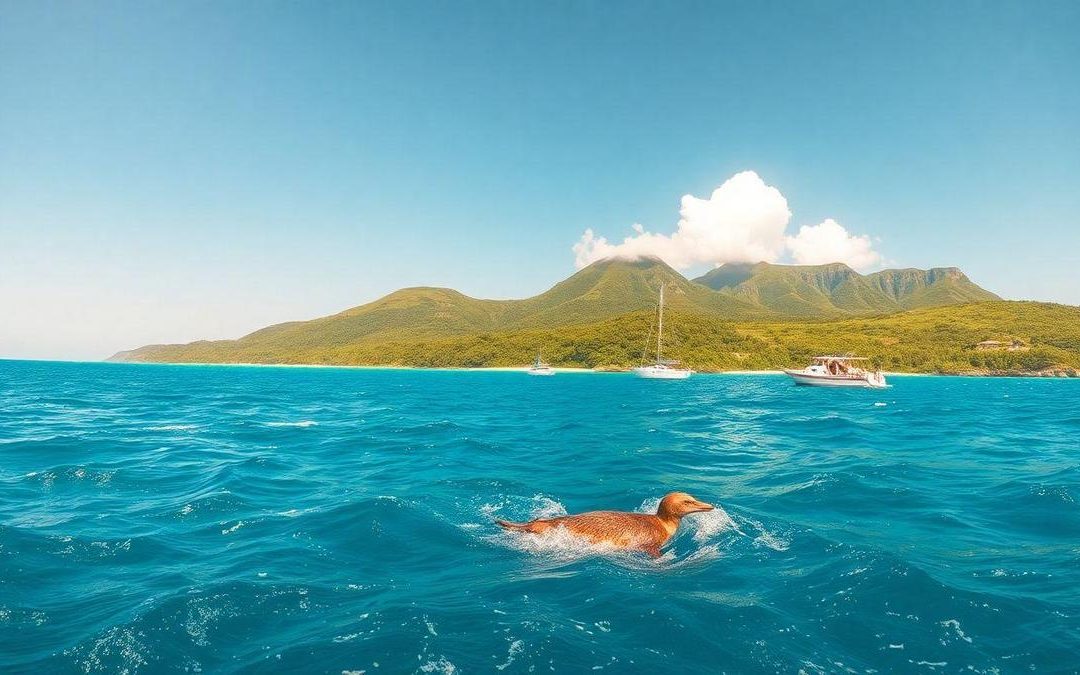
{"x": 662, "y": 369}
{"x": 540, "y": 368}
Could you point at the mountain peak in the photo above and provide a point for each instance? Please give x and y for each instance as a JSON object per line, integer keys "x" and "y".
{"x": 729, "y": 274}
{"x": 642, "y": 262}
{"x": 836, "y": 289}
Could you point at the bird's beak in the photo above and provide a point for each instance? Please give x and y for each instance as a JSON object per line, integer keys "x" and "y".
{"x": 702, "y": 506}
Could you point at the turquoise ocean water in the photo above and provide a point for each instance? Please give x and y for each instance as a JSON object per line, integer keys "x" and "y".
{"x": 168, "y": 518}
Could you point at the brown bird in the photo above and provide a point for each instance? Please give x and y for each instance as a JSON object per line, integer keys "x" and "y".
{"x": 638, "y": 531}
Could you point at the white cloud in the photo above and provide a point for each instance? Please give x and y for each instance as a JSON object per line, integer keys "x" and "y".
{"x": 744, "y": 220}
{"x": 829, "y": 242}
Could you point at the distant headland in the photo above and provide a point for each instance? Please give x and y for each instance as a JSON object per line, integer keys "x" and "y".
{"x": 736, "y": 317}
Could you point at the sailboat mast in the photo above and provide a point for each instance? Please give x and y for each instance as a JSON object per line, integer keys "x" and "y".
{"x": 660, "y": 327}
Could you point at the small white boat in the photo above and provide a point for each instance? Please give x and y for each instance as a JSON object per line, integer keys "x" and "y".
{"x": 838, "y": 371}
{"x": 540, "y": 368}
{"x": 662, "y": 369}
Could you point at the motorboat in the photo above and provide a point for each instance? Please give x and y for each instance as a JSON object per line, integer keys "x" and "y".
{"x": 838, "y": 371}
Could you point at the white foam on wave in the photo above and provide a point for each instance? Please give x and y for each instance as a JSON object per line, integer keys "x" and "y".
{"x": 118, "y": 642}
{"x": 204, "y": 613}
{"x": 442, "y": 665}
{"x": 955, "y": 626}
{"x": 301, "y": 424}
{"x": 108, "y": 549}
{"x": 172, "y": 427}
{"x": 649, "y": 505}
{"x": 515, "y": 648}
{"x": 539, "y": 507}
{"x": 698, "y": 556}
{"x": 706, "y": 526}
{"x": 769, "y": 540}
{"x": 728, "y": 599}
{"x": 489, "y": 510}
{"x": 759, "y": 535}
{"x": 545, "y": 507}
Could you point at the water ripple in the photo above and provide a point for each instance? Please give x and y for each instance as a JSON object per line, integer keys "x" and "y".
{"x": 263, "y": 519}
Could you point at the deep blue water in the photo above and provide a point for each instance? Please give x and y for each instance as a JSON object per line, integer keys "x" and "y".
{"x": 157, "y": 518}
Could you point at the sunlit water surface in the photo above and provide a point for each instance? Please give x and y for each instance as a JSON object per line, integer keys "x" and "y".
{"x": 264, "y": 519}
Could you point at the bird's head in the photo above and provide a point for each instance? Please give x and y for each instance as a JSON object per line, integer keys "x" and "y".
{"x": 678, "y": 504}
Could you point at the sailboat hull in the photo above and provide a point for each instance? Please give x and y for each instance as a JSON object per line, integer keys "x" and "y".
{"x": 662, "y": 373}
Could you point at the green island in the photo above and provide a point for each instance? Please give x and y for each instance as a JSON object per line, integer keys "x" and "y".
{"x": 736, "y": 317}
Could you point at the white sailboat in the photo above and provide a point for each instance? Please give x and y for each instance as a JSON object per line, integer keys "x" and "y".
{"x": 662, "y": 369}
{"x": 540, "y": 368}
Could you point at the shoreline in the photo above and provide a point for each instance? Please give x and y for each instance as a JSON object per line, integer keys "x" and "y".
{"x": 523, "y": 369}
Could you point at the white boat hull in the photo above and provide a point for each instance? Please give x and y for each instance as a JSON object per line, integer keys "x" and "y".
{"x": 541, "y": 372}
{"x": 662, "y": 373}
{"x": 868, "y": 380}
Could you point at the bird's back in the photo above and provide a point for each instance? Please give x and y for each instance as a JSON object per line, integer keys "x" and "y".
{"x": 626, "y": 530}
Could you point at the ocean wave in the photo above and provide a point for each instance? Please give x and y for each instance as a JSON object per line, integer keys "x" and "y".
{"x": 143, "y": 534}
{"x": 172, "y": 427}
{"x": 70, "y": 474}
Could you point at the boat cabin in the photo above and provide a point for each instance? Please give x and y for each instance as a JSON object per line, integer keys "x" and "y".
{"x": 838, "y": 365}
{"x": 838, "y": 371}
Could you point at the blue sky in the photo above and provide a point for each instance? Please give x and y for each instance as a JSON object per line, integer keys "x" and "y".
{"x": 184, "y": 170}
